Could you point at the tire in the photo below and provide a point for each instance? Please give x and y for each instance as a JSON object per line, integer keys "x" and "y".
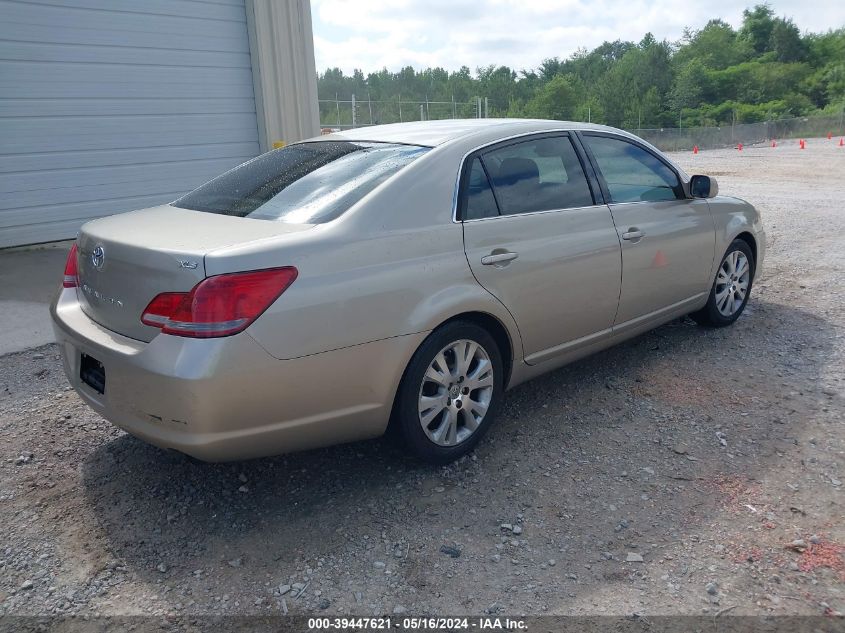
{"x": 442, "y": 413}
{"x": 734, "y": 276}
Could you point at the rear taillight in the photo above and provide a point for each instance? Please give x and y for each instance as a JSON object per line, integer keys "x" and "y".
{"x": 218, "y": 306}
{"x": 162, "y": 308}
{"x": 71, "y": 279}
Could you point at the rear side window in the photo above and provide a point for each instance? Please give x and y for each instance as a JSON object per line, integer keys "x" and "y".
{"x": 540, "y": 174}
{"x": 308, "y": 183}
{"x": 478, "y": 199}
{"x": 633, "y": 174}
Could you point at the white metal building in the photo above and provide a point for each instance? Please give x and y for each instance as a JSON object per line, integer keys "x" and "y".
{"x": 113, "y": 105}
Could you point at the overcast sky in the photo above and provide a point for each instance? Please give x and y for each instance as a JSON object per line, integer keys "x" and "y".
{"x": 372, "y": 34}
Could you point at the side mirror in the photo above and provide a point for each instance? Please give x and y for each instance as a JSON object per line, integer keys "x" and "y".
{"x": 703, "y": 187}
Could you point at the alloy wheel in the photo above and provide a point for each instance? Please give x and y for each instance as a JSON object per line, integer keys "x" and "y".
{"x": 455, "y": 393}
{"x": 732, "y": 283}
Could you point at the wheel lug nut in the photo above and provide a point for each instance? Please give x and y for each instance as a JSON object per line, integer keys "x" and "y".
{"x": 465, "y": 390}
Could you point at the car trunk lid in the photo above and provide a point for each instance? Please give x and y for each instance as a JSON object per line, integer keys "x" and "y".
{"x": 125, "y": 260}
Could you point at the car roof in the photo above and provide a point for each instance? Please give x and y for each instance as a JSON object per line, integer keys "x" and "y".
{"x": 434, "y": 133}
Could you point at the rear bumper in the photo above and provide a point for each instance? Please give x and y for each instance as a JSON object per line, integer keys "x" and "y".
{"x": 226, "y": 398}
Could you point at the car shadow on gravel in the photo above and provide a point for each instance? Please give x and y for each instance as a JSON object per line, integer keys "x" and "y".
{"x": 633, "y": 436}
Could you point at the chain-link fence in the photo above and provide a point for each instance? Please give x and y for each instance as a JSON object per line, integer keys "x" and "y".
{"x": 344, "y": 114}
{"x": 348, "y": 113}
{"x": 675, "y": 139}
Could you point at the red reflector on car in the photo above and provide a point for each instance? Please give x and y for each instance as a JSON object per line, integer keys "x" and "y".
{"x": 218, "y": 306}
{"x": 71, "y": 279}
{"x": 162, "y": 307}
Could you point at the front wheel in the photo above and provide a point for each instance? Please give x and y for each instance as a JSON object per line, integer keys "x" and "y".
{"x": 731, "y": 288}
{"x": 450, "y": 392}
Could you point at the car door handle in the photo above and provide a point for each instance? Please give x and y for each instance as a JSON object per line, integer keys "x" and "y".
{"x": 498, "y": 258}
{"x": 633, "y": 234}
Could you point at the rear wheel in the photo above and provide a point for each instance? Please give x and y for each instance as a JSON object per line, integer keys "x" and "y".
{"x": 450, "y": 392}
{"x": 731, "y": 288}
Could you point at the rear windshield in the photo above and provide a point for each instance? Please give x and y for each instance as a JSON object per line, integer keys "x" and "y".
{"x": 309, "y": 183}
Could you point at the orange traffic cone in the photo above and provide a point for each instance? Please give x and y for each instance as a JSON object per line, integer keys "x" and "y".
{"x": 829, "y": 135}
{"x": 739, "y": 147}
{"x": 695, "y": 149}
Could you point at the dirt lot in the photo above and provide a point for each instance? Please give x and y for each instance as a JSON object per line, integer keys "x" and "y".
{"x": 688, "y": 471}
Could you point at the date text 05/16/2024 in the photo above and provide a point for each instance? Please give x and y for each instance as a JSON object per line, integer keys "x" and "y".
{"x": 417, "y": 624}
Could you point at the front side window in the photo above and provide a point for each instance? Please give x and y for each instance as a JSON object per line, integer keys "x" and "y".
{"x": 540, "y": 174}
{"x": 307, "y": 183}
{"x": 633, "y": 174}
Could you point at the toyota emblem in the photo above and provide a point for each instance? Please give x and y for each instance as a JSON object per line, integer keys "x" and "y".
{"x": 98, "y": 257}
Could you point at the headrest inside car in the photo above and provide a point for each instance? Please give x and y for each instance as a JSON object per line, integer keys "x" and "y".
{"x": 514, "y": 170}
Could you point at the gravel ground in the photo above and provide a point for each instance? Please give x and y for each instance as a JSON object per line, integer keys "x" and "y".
{"x": 689, "y": 471}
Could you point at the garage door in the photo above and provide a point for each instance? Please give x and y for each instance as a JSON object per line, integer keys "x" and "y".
{"x": 113, "y": 105}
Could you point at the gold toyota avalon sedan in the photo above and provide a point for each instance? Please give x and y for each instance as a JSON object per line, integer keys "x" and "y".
{"x": 397, "y": 276}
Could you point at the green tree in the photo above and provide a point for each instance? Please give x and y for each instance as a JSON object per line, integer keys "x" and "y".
{"x": 555, "y": 100}
{"x": 549, "y": 68}
{"x": 826, "y": 54}
{"x": 623, "y": 87}
{"x": 689, "y": 87}
{"x": 716, "y": 46}
{"x": 757, "y": 26}
{"x": 786, "y": 42}
{"x": 498, "y": 85}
